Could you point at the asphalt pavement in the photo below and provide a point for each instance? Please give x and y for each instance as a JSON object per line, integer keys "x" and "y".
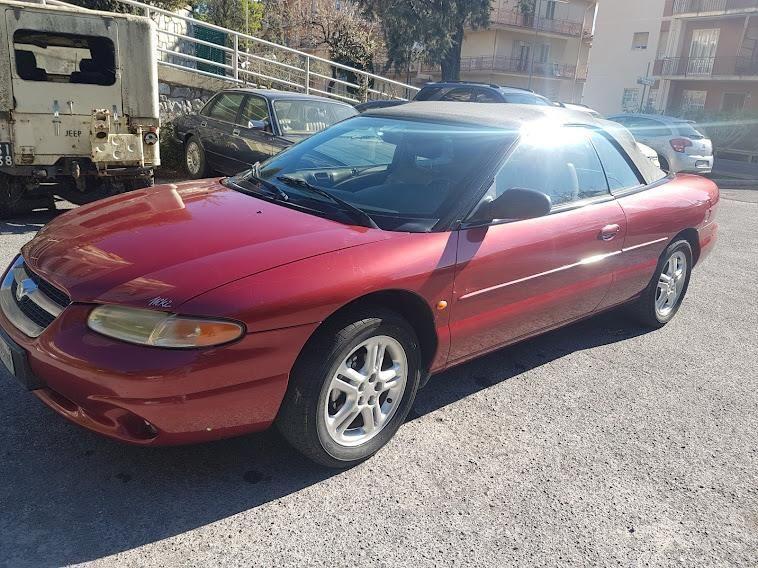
{"x": 598, "y": 444}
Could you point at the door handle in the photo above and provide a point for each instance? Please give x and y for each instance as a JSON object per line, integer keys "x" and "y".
{"x": 609, "y": 232}
{"x": 203, "y": 124}
{"x": 236, "y": 132}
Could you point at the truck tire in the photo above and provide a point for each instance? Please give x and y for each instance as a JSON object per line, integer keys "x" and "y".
{"x": 16, "y": 198}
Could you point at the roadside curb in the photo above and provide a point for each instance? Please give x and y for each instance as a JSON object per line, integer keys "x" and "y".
{"x": 732, "y": 183}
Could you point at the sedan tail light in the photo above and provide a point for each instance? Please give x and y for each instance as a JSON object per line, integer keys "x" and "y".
{"x": 680, "y": 144}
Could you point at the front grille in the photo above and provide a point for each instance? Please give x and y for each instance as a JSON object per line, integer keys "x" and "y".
{"x": 28, "y": 301}
{"x": 57, "y": 296}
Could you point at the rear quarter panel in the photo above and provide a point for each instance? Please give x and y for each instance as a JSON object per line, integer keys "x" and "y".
{"x": 655, "y": 216}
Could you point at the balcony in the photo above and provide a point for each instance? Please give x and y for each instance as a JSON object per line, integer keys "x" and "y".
{"x": 516, "y": 19}
{"x": 713, "y": 7}
{"x": 707, "y": 67}
{"x": 520, "y": 67}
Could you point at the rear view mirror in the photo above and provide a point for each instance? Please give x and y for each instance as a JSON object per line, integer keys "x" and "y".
{"x": 516, "y": 203}
{"x": 257, "y": 124}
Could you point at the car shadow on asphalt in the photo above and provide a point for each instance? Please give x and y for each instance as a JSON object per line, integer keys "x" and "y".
{"x": 69, "y": 496}
{"x": 33, "y": 221}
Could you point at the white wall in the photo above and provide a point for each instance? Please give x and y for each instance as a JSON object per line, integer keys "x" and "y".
{"x": 613, "y": 64}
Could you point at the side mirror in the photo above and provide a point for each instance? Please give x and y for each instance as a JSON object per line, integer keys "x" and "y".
{"x": 257, "y": 124}
{"x": 516, "y": 203}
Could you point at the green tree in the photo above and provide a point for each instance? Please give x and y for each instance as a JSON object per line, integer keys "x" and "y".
{"x": 115, "y": 6}
{"x": 239, "y": 15}
{"x": 437, "y": 26}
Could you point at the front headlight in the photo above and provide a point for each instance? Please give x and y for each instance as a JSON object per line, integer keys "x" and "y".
{"x": 160, "y": 329}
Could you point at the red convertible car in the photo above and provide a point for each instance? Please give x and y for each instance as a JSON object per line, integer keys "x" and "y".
{"x": 319, "y": 290}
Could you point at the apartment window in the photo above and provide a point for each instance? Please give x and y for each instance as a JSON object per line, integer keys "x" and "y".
{"x": 663, "y": 42}
{"x": 640, "y": 40}
{"x": 733, "y": 101}
{"x": 550, "y": 9}
{"x": 693, "y": 100}
{"x": 630, "y": 102}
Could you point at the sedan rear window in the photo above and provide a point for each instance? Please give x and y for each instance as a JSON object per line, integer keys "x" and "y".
{"x": 688, "y": 130}
{"x": 526, "y": 99}
{"x": 304, "y": 117}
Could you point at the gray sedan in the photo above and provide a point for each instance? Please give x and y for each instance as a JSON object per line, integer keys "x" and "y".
{"x": 239, "y": 127}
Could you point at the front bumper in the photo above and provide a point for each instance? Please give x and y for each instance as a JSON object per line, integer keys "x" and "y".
{"x": 154, "y": 396}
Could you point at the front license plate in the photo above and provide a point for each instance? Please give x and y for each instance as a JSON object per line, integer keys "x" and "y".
{"x": 6, "y": 356}
{"x": 6, "y": 154}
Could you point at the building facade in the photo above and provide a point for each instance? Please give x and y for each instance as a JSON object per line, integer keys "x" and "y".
{"x": 623, "y": 57}
{"x": 544, "y": 47}
{"x": 710, "y": 60}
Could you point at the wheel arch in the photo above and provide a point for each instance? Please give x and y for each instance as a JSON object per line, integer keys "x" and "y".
{"x": 411, "y": 306}
{"x": 691, "y": 236}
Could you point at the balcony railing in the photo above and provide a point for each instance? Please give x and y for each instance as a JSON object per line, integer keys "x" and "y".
{"x": 737, "y": 66}
{"x": 517, "y": 19}
{"x": 713, "y": 6}
{"x": 519, "y": 66}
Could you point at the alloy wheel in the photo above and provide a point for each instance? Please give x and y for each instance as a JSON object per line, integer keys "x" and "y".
{"x": 670, "y": 284}
{"x": 366, "y": 391}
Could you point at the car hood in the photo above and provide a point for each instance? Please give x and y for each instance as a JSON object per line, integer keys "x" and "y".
{"x": 162, "y": 246}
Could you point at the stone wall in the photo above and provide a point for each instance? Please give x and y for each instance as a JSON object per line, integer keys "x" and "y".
{"x": 176, "y": 100}
{"x": 173, "y": 43}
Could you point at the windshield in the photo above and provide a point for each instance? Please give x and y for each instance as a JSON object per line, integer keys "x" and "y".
{"x": 688, "y": 130}
{"x": 306, "y": 117}
{"x": 406, "y": 175}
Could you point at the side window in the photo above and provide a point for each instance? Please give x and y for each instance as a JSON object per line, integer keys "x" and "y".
{"x": 650, "y": 128}
{"x": 619, "y": 172}
{"x": 562, "y": 165}
{"x": 255, "y": 108}
{"x": 427, "y": 93}
{"x": 458, "y": 95}
{"x": 226, "y": 106}
{"x": 485, "y": 96}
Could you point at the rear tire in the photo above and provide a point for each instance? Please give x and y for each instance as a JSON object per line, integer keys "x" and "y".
{"x": 194, "y": 159}
{"x": 340, "y": 408}
{"x": 663, "y": 296}
{"x": 18, "y": 198}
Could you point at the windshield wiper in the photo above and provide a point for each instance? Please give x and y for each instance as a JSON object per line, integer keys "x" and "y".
{"x": 358, "y": 214}
{"x": 254, "y": 174}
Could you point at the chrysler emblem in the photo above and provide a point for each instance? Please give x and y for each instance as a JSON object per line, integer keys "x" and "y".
{"x": 25, "y": 288}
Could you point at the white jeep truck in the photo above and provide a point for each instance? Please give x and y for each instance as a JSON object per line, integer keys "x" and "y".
{"x": 78, "y": 105}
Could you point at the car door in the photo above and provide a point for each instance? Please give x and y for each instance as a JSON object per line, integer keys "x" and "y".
{"x": 216, "y": 132}
{"x": 517, "y": 278}
{"x": 255, "y": 140}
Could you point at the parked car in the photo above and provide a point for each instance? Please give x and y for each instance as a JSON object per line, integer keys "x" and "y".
{"x": 680, "y": 145}
{"x": 467, "y": 92}
{"x": 321, "y": 289}
{"x": 239, "y": 127}
{"x": 580, "y": 108}
{"x": 383, "y": 103}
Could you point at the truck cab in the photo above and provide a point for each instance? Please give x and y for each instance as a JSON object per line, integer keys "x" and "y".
{"x": 78, "y": 104}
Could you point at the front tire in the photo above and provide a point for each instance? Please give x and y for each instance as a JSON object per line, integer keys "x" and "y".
{"x": 352, "y": 387}
{"x": 194, "y": 159}
{"x": 662, "y": 298}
